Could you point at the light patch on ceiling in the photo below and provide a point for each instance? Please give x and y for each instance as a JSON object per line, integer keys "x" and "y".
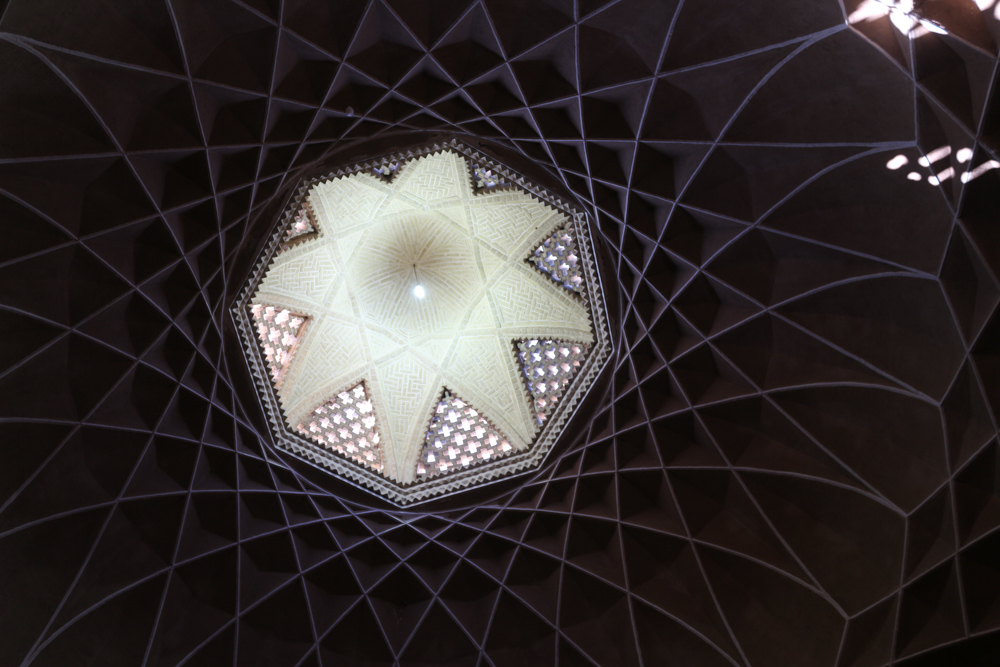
{"x": 558, "y": 257}
{"x": 986, "y": 5}
{"x": 939, "y": 174}
{"x": 904, "y": 15}
{"x": 897, "y": 162}
{"x": 935, "y": 155}
{"x": 989, "y": 165}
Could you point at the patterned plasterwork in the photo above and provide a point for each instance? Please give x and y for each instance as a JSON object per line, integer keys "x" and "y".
{"x": 472, "y": 251}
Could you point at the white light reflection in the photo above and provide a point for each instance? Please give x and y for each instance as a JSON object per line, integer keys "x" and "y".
{"x": 980, "y": 170}
{"x": 986, "y": 4}
{"x": 934, "y": 156}
{"x": 902, "y": 15}
{"x": 897, "y": 162}
{"x": 941, "y": 177}
{"x": 868, "y": 10}
{"x": 962, "y": 156}
{"x": 419, "y": 292}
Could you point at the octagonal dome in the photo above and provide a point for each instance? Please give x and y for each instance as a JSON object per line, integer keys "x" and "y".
{"x": 424, "y": 322}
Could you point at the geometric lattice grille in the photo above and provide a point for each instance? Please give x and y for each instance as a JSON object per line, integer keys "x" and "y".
{"x": 303, "y": 223}
{"x": 386, "y": 171}
{"x": 486, "y": 179}
{"x": 559, "y": 258}
{"x": 280, "y": 331}
{"x": 346, "y": 425}
{"x": 458, "y": 437}
{"x": 548, "y": 367}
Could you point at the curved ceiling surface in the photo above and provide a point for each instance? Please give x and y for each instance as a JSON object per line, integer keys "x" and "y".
{"x": 390, "y": 291}
{"x": 794, "y": 461}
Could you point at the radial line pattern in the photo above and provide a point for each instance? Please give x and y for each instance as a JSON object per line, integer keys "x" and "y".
{"x": 796, "y": 458}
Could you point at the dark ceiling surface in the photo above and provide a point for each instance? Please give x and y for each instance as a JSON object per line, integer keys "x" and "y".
{"x": 795, "y": 460}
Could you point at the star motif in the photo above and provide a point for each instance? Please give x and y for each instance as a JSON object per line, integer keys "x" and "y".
{"x": 355, "y": 282}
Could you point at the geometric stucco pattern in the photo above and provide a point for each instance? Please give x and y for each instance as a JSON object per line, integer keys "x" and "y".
{"x": 795, "y": 461}
{"x": 381, "y": 233}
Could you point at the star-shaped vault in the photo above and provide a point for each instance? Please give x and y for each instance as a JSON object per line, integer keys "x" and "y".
{"x": 353, "y": 283}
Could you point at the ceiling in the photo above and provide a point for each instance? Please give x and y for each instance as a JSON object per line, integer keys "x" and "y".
{"x": 481, "y": 300}
{"x": 794, "y": 461}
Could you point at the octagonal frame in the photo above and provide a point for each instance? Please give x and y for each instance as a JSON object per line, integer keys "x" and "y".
{"x": 290, "y": 441}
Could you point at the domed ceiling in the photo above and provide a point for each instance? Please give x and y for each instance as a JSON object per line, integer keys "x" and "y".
{"x": 792, "y": 459}
{"x": 392, "y": 288}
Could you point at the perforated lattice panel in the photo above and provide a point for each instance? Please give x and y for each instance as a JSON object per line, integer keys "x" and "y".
{"x": 279, "y": 332}
{"x": 559, "y": 258}
{"x": 548, "y": 367}
{"x": 346, "y": 424}
{"x": 458, "y": 437}
{"x": 795, "y": 461}
{"x": 302, "y": 224}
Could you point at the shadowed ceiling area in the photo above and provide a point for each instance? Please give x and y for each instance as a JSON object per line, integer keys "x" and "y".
{"x": 792, "y": 461}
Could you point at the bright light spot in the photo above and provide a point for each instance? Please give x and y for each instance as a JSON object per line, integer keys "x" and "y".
{"x": 964, "y": 155}
{"x": 869, "y": 10}
{"x": 986, "y": 4}
{"x": 933, "y": 180}
{"x": 903, "y": 22}
{"x": 934, "y": 156}
{"x": 902, "y": 15}
{"x": 914, "y": 176}
{"x": 933, "y": 26}
{"x": 419, "y": 292}
{"x": 980, "y": 170}
{"x": 945, "y": 175}
{"x": 896, "y": 162}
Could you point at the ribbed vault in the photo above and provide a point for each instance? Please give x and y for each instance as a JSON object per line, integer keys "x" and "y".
{"x": 795, "y": 459}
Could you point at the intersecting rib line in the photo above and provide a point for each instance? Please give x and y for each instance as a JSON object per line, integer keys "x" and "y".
{"x": 690, "y": 537}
